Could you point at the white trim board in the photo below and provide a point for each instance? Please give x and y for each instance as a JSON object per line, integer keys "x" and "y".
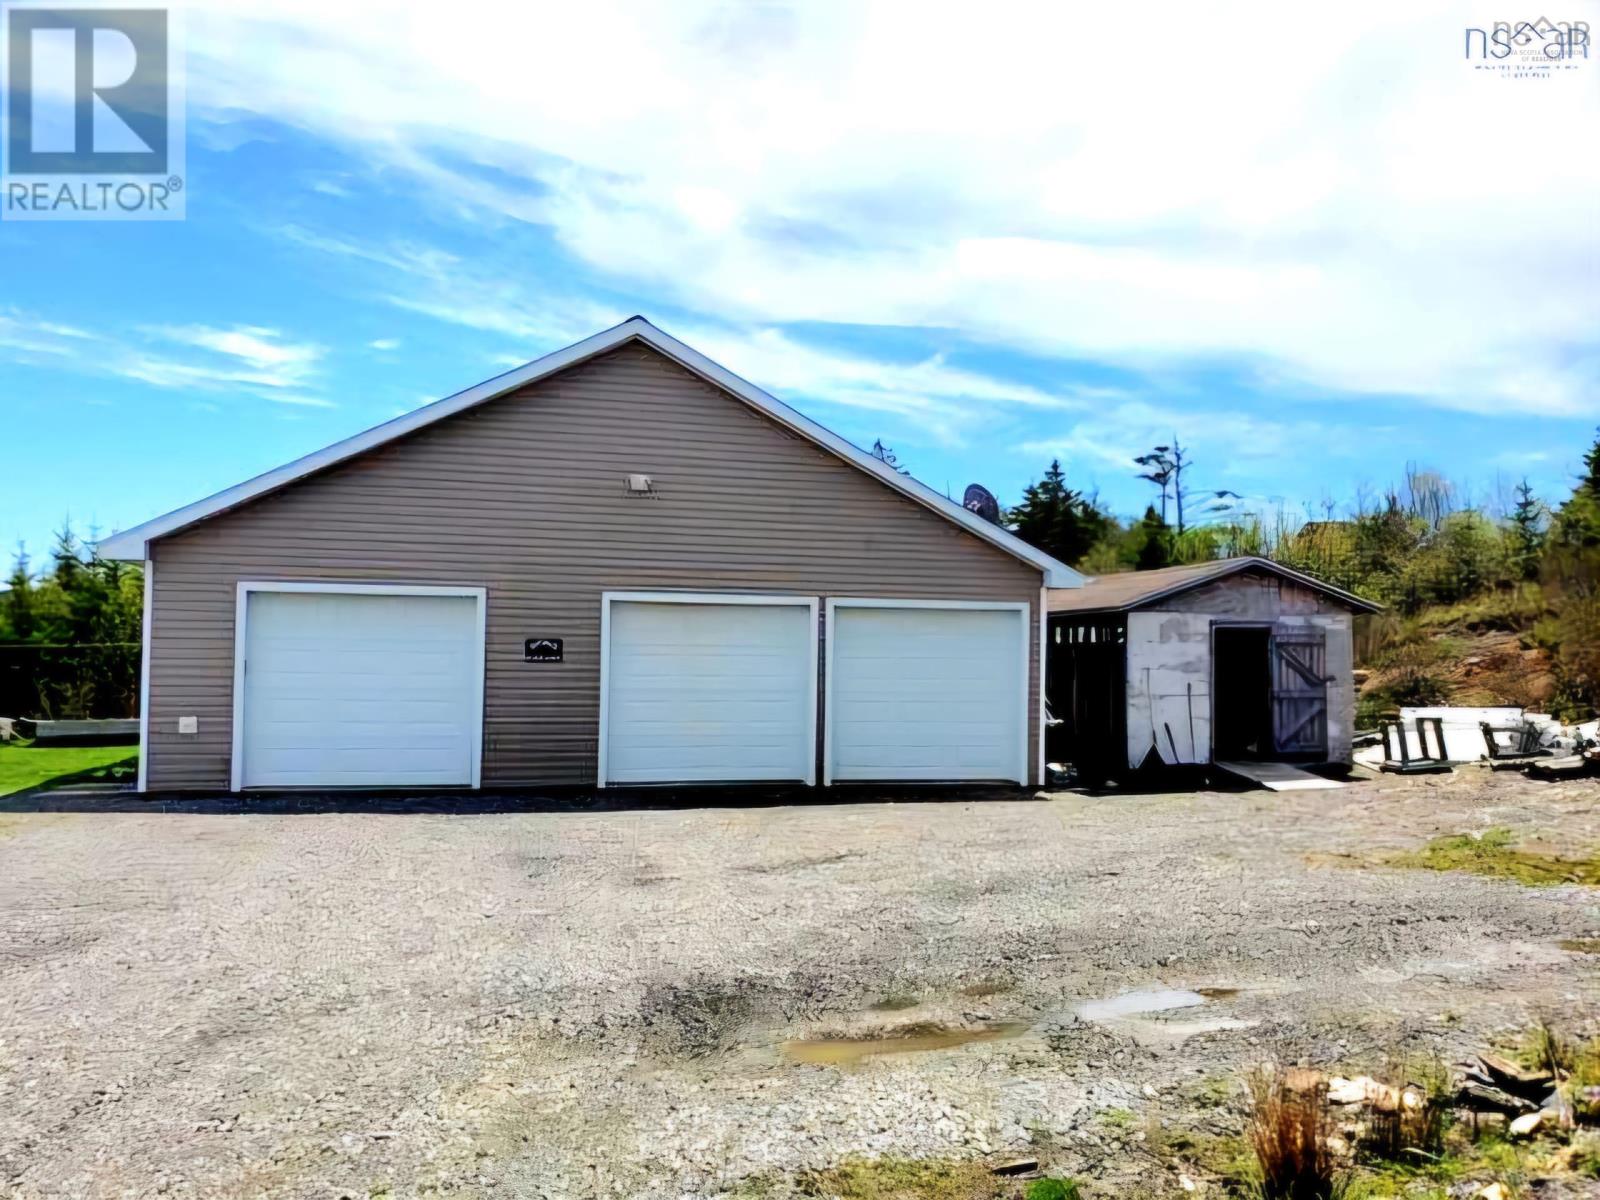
{"x": 143, "y": 782}
{"x": 241, "y": 612}
{"x": 809, "y": 603}
{"x": 1044, "y": 649}
{"x": 134, "y": 543}
{"x": 1024, "y": 639}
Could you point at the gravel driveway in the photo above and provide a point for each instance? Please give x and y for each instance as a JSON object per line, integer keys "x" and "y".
{"x": 602, "y": 1004}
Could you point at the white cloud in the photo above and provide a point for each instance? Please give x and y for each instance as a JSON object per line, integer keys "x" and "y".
{"x": 1230, "y": 449}
{"x": 300, "y": 400}
{"x": 384, "y": 345}
{"x": 1340, "y": 199}
{"x": 248, "y": 354}
{"x": 946, "y": 401}
{"x": 485, "y": 297}
{"x": 26, "y": 336}
{"x": 1522, "y": 459}
{"x": 246, "y": 359}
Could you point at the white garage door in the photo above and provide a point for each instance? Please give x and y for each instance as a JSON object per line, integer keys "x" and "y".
{"x": 360, "y": 690}
{"x": 709, "y": 690}
{"x": 927, "y": 693}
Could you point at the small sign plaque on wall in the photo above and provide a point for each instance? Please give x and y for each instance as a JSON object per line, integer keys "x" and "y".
{"x": 541, "y": 650}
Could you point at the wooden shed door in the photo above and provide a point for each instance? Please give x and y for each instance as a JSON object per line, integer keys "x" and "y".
{"x": 1299, "y": 692}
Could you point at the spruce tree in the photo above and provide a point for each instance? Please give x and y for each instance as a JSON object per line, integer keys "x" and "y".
{"x": 1152, "y": 541}
{"x": 17, "y": 618}
{"x": 1527, "y": 532}
{"x": 1057, "y": 519}
{"x": 1577, "y": 524}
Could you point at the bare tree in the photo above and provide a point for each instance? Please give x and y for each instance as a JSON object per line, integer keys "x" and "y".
{"x": 1165, "y": 467}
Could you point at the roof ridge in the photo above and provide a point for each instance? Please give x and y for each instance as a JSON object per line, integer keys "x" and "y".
{"x": 1104, "y": 593}
{"x": 134, "y": 543}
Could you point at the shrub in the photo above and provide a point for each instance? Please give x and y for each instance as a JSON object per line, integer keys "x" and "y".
{"x": 1584, "y": 1087}
{"x": 1577, "y": 637}
{"x": 1409, "y": 1131}
{"x": 1053, "y": 1189}
{"x": 1414, "y": 689}
{"x": 1289, "y": 1128}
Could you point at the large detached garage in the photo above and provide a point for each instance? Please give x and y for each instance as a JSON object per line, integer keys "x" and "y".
{"x": 619, "y": 565}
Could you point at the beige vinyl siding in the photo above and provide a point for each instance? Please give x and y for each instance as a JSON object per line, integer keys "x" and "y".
{"x": 524, "y": 496}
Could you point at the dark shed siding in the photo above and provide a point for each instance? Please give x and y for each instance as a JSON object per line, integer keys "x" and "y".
{"x": 524, "y": 496}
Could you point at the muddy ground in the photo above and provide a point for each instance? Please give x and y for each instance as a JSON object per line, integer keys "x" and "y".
{"x": 658, "y": 1003}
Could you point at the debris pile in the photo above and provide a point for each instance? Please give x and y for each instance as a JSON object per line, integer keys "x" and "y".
{"x": 1505, "y": 739}
{"x": 1491, "y": 1084}
{"x": 1403, "y": 1115}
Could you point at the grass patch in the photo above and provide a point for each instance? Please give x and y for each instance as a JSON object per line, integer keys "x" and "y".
{"x": 1052, "y": 1189}
{"x": 1583, "y": 1086}
{"x": 24, "y": 765}
{"x": 1573, "y": 1061}
{"x": 905, "y": 1179}
{"x": 1463, "y": 1166}
{"x": 1510, "y": 609}
{"x": 1583, "y": 1156}
{"x": 1418, "y": 686}
{"x": 1213, "y": 1091}
{"x": 1492, "y": 853}
{"x": 1412, "y": 1132}
{"x": 1226, "y": 1156}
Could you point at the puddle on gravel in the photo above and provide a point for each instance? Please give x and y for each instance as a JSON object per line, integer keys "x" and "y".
{"x": 1136, "y": 1012}
{"x": 1139, "y": 1003}
{"x": 909, "y": 1039}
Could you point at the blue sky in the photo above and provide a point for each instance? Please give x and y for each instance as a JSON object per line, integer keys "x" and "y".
{"x": 984, "y": 244}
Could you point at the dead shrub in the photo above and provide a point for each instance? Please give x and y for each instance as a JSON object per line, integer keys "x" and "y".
{"x": 1408, "y": 1122}
{"x": 1289, "y": 1131}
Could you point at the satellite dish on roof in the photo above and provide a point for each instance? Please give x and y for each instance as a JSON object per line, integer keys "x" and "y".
{"x": 980, "y": 500}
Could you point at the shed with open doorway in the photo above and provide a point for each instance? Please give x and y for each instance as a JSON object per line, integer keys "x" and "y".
{"x": 1235, "y": 660}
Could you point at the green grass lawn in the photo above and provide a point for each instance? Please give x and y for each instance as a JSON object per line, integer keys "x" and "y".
{"x": 24, "y": 766}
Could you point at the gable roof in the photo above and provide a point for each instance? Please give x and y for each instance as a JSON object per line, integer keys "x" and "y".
{"x": 134, "y": 543}
{"x": 1136, "y": 589}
